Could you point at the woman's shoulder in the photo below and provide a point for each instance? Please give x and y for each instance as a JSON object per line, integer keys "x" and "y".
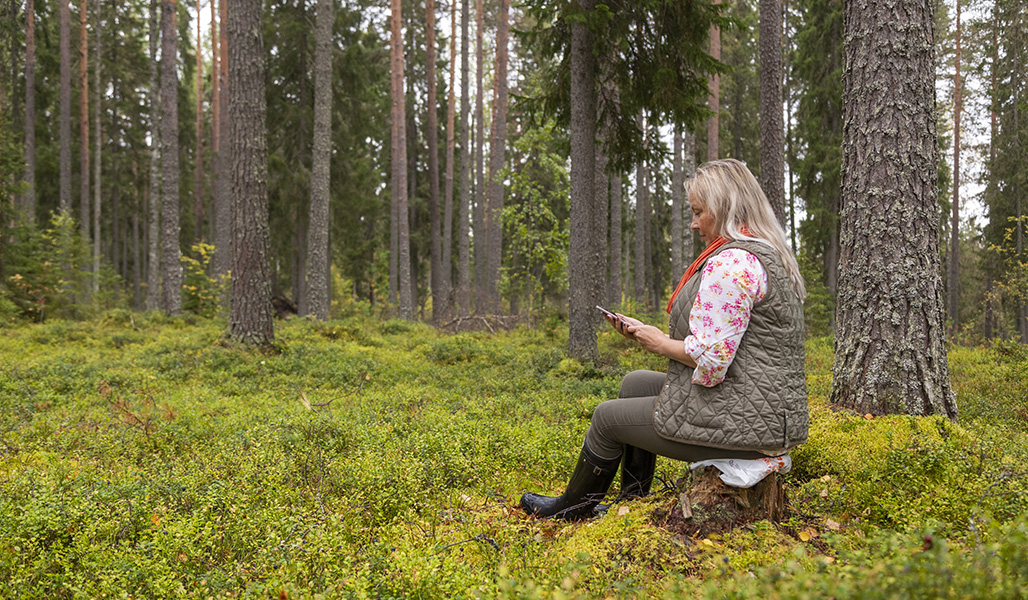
{"x": 735, "y": 255}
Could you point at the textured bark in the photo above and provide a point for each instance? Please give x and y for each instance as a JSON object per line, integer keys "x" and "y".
{"x": 481, "y": 232}
{"x": 97, "y": 205}
{"x": 250, "y": 315}
{"x": 953, "y": 273}
{"x": 890, "y": 341}
{"x": 677, "y": 206}
{"x": 464, "y": 210}
{"x": 28, "y": 203}
{"x": 153, "y": 278}
{"x": 493, "y": 218}
{"x": 64, "y": 119}
{"x": 84, "y": 199}
{"x": 318, "y": 303}
{"x": 599, "y": 248}
{"x": 198, "y": 165}
{"x": 713, "y": 100}
{"x": 772, "y": 144}
{"x": 224, "y": 202}
{"x": 446, "y": 266}
{"x": 171, "y": 254}
{"x": 616, "y": 207}
{"x": 582, "y": 314}
{"x": 642, "y": 214}
{"x": 432, "y": 124}
{"x": 399, "y": 163}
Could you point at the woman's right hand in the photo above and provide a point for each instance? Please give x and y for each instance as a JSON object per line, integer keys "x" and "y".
{"x": 621, "y": 324}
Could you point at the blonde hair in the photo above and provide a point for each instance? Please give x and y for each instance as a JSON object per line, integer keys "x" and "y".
{"x": 734, "y": 198}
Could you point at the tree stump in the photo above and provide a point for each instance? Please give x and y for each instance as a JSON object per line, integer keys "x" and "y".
{"x": 704, "y": 504}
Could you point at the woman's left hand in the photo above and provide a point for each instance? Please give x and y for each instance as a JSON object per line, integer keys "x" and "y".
{"x": 649, "y": 337}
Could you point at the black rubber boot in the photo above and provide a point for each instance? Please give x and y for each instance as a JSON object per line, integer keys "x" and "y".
{"x": 588, "y": 484}
{"x": 637, "y": 467}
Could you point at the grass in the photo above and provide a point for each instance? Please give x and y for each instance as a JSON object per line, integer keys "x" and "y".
{"x": 146, "y": 457}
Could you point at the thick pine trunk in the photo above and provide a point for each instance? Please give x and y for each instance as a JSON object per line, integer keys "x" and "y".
{"x": 225, "y": 202}
{"x": 464, "y": 210}
{"x": 772, "y": 144}
{"x": 714, "y": 98}
{"x": 64, "y": 119}
{"x": 439, "y": 309}
{"x": 399, "y": 164}
{"x": 171, "y": 253}
{"x": 318, "y": 303}
{"x": 493, "y": 218}
{"x": 28, "y": 203}
{"x": 250, "y": 315}
{"x": 582, "y": 315}
{"x": 890, "y": 341}
{"x": 153, "y": 278}
{"x": 446, "y": 266}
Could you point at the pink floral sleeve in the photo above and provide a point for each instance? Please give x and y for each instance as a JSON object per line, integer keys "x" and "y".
{"x": 733, "y": 281}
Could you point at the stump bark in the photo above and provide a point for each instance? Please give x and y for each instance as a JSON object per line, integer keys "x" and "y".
{"x": 705, "y": 504}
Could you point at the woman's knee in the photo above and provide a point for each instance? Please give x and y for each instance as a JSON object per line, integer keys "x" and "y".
{"x": 641, "y": 383}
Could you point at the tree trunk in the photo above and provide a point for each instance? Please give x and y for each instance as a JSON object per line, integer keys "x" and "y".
{"x": 582, "y": 314}
{"x": 64, "y": 197}
{"x": 225, "y": 202}
{"x": 153, "y": 277}
{"x": 493, "y": 218}
{"x": 481, "y": 232}
{"x": 616, "y": 208}
{"x": 399, "y": 163}
{"x": 689, "y": 240}
{"x": 84, "y": 199}
{"x": 250, "y": 315}
{"x": 446, "y": 267}
{"x": 432, "y": 125}
{"x": 890, "y": 345}
{"x": 713, "y": 99}
{"x": 677, "y": 206}
{"x": 198, "y": 165}
{"x": 318, "y": 302}
{"x": 97, "y": 172}
{"x": 599, "y": 248}
{"x": 953, "y": 273}
{"x": 642, "y": 214}
{"x": 28, "y": 203}
{"x": 464, "y": 210}
{"x": 171, "y": 267}
{"x": 772, "y": 145}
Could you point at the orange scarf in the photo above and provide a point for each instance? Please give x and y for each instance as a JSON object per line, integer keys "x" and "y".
{"x": 695, "y": 266}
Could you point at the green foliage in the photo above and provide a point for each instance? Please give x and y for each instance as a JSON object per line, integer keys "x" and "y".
{"x": 819, "y": 306}
{"x": 202, "y": 293}
{"x": 45, "y": 269}
{"x": 142, "y": 456}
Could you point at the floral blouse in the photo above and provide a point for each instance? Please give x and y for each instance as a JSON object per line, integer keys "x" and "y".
{"x": 733, "y": 281}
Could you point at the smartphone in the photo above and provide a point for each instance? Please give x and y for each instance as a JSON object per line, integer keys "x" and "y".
{"x": 609, "y": 314}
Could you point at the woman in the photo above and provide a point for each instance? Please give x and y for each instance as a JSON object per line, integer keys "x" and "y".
{"x": 735, "y": 386}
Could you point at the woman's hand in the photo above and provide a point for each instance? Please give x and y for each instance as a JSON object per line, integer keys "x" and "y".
{"x": 621, "y": 324}
{"x": 652, "y": 339}
{"x": 649, "y": 337}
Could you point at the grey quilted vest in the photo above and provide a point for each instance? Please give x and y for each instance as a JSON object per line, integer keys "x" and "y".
{"x": 762, "y": 403}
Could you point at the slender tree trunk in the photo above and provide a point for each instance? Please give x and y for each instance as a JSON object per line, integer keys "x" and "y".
{"x": 318, "y": 302}
{"x": 84, "y": 199}
{"x": 64, "y": 197}
{"x": 198, "y": 211}
{"x": 642, "y": 213}
{"x": 890, "y": 345}
{"x": 713, "y": 100}
{"x": 991, "y": 303}
{"x": 790, "y": 157}
{"x": 432, "y": 125}
{"x": 953, "y": 273}
{"x": 97, "y": 172}
{"x": 171, "y": 267}
{"x": 28, "y": 203}
{"x": 446, "y": 268}
{"x": 464, "y": 209}
{"x": 493, "y": 218}
{"x": 772, "y": 145}
{"x": 153, "y": 278}
{"x": 399, "y": 163}
{"x": 688, "y": 170}
{"x": 616, "y": 206}
{"x": 481, "y": 231}
{"x": 225, "y": 202}
{"x": 677, "y": 206}
{"x": 599, "y": 247}
{"x": 582, "y": 315}
{"x": 250, "y": 315}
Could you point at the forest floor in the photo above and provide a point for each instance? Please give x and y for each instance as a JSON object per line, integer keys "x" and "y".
{"x": 147, "y": 457}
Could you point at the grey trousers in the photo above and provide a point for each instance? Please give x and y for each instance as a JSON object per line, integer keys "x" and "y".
{"x": 628, "y": 421}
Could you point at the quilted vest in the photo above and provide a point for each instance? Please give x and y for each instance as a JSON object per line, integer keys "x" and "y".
{"x": 762, "y": 402}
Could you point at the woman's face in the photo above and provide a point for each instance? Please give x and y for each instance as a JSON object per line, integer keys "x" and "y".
{"x": 702, "y": 219}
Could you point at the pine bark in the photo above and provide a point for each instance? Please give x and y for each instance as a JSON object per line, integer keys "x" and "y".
{"x": 171, "y": 254}
{"x": 446, "y": 272}
{"x": 97, "y": 205}
{"x": 582, "y": 314}
{"x": 64, "y": 125}
{"x": 677, "y": 206}
{"x": 399, "y": 163}
{"x": 198, "y": 165}
{"x": 493, "y": 217}
{"x": 250, "y": 314}
{"x": 225, "y": 202}
{"x": 481, "y": 231}
{"x": 772, "y": 143}
{"x": 890, "y": 341}
{"x": 714, "y": 98}
{"x": 318, "y": 303}
{"x": 84, "y": 199}
{"x": 690, "y": 239}
{"x": 953, "y": 272}
{"x": 464, "y": 209}
{"x": 153, "y": 278}
{"x": 432, "y": 135}
{"x": 642, "y": 214}
{"x": 28, "y": 202}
